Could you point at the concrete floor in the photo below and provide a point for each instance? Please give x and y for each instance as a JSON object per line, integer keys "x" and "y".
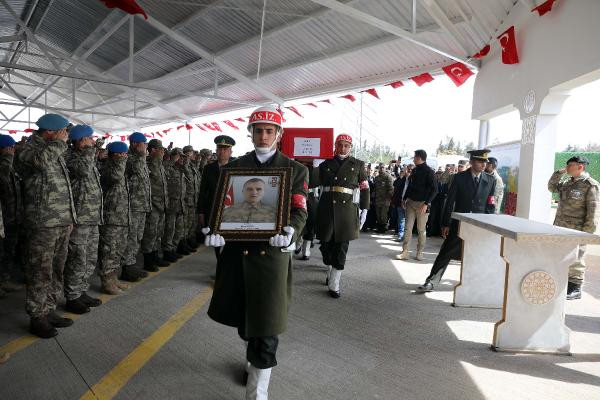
{"x": 379, "y": 341}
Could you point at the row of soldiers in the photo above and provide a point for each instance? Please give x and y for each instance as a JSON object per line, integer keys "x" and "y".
{"x": 70, "y": 212}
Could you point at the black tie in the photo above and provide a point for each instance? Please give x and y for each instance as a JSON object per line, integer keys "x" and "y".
{"x": 476, "y": 181}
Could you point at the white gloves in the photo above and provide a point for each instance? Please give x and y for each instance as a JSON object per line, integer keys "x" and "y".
{"x": 282, "y": 240}
{"x": 212, "y": 240}
{"x": 362, "y": 217}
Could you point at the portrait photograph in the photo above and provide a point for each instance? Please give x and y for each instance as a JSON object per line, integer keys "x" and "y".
{"x": 251, "y": 204}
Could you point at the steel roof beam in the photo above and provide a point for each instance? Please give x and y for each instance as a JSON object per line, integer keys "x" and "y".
{"x": 440, "y": 17}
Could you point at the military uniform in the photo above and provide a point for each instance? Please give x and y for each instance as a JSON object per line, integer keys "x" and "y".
{"x": 155, "y": 220}
{"x": 253, "y": 285}
{"x": 384, "y": 189}
{"x": 499, "y": 193}
{"x": 191, "y": 193}
{"x": 577, "y": 209}
{"x": 249, "y": 213}
{"x": 49, "y": 213}
{"x": 83, "y": 243}
{"x": 174, "y": 222}
{"x": 138, "y": 179}
{"x": 12, "y": 212}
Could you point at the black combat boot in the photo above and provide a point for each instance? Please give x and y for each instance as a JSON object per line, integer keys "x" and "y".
{"x": 57, "y": 321}
{"x": 191, "y": 244}
{"x": 90, "y": 301}
{"x": 39, "y": 326}
{"x": 77, "y": 306}
{"x": 159, "y": 261}
{"x": 149, "y": 264}
{"x": 170, "y": 256}
{"x": 137, "y": 271}
{"x": 128, "y": 275}
{"x": 182, "y": 249}
{"x": 573, "y": 291}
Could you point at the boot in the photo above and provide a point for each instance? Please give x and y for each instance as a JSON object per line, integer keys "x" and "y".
{"x": 10, "y": 287}
{"x": 128, "y": 275}
{"x": 4, "y": 357}
{"x": 404, "y": 255}
{"x": 170, "y": 256}
{"x": 149, "y": 263}
{"x": 257, "y": 387}
{"x": 192, "y": 244}
{"x": 137, "y": 271}
{"x": 573, "y": 291}
{"x": 334, "y": 283}
{"x": 77, "y": 306}
{"x": 109, "y": 284}
{"x": 90, "y": 301}
{"x": 420, "y": 256}
{"x": 39, "y": 326}
{"x": 425, "y": 288}
{"x": 188, "y": 247}
{"x": 121, "y": 285}
{"x": 159, "y": 261}
{"x": 57, "y": 321}
{"x": 306, "y": 250}
{"x": 182, "y": 249}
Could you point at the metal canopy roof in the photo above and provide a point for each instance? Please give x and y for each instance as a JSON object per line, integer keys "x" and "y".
{"x": 191, "y": 58}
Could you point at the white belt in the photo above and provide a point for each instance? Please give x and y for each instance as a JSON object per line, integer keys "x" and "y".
{"x": 337, "y": 189}
{"x": 313, "y": 190}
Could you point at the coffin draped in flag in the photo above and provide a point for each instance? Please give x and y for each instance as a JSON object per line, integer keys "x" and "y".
{"x": 458, "y": 73}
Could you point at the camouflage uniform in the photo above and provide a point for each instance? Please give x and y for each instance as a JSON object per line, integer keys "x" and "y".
{"x": 384, "y": 189}
{"x": 174, "y": 223}
{"x": 12, "y": 212}
{"x": 247, "y": 213}
{"x": 49, "y": 216}
{"x": 191, "y": 200}
{"x": 83, "y": 243}
{"x": 155, "y": 220}
{"x": 117, "y": 216}
{"x": 138, "y": 179}
{"x": 499, "y": 193}
{"x": 577, "y": 209}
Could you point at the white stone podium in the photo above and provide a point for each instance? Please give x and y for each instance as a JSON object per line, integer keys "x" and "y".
{"x": 521, "y": 266}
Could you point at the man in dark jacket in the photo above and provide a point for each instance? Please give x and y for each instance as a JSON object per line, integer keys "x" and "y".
{"x": 421, "y": 190}
{"x": 471, "y": 191}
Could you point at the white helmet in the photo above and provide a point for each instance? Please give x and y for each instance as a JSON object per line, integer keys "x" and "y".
{"x": 265, "y": 115}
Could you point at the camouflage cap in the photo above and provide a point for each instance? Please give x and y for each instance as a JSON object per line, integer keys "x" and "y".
{"x": 177, "y": 151}
{"x": 579, "y": 160}
{"x": 462, "y": 162}
{"x": 188, "y": 148}
{"x": 205, "y": 153}
{"x": 155, "y": 144}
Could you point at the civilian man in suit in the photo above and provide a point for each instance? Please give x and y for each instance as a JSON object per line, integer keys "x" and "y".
{"x": 471, "y": 191}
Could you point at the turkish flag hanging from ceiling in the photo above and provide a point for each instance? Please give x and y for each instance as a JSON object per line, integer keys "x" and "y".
{"x": 458, "y": 72}
{"x": 508, "y": 43}
{"x": 422, "y": 79}
{"x": 231, "y": 124}
{"x": 544, "y": 7}
{"x": 396, "y": 84}
{"x": 129, "y": 6}
{"x": 348, "y": 97}
{"x": 483, "y": 52}
{"x": 372, "y": 92}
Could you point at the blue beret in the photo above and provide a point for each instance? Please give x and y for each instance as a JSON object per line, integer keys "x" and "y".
{"x": 6, "y": 141}
{"x": 117, "y": 147}
{"x": 52, "y": 122}
{"x": 137, "y": 137}
{"x": 80, "y": 131}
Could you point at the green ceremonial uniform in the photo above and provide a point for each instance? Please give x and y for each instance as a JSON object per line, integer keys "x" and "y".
{"x": 253, "y": 285}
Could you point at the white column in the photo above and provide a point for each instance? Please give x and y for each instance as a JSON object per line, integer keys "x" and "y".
{"x": 484, "y": 133}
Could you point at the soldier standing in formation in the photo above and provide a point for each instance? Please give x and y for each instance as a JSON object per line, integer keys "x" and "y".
{"x": 12, "y": 213}
{"x": 384, "y": 189}
{"x": 253, "y": 286}
{"x": 471, "y": 191}
{"x": 83, "y": 243}
{"x": 342, "y": 208}
{"x": 117, "y": 217}
{"x": 491, "y": 168}
{"x": 138, "y": 179}
{"x": 210, "y": 179}
{"x": 188, "y": 241}
{"x": 174, "y": 223}
{"x": 155, "y": 219}
{"x": 49, "y": 217}
{"x": 577, "y": 209}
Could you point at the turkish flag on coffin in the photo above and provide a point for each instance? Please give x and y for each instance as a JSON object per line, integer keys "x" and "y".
{"x": 509, "y": 46}
{"x": 458, "y": 72}
{"x": 129, "y": 6}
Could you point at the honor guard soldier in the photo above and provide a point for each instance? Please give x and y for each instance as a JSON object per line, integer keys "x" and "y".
{"x": 577, "y": 209}
{"x": 471, "y": 191}
{"x": 253, "y": 283}
{"x": 343, "y": 207}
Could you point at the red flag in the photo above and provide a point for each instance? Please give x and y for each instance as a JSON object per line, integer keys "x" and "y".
{"x": 509, "y": 46}
{"x": 348, "y": 97}
{"x": 208, "y": 126}
{"x": 159, "y": 134}
{"x": 295, "y": 111}
{"x": 229, "y": 197}
{"x": 544, "y": 7}
{"x": 147, "y": 135}
{"x": 12, "y": 131}
{"x": 311, "y": 104}
{"x": 123, "y": 138}
{"x": 324, "y": 101}
{"x": 216, "y": 126}
{"x": 422, "y": 79}
{"x": 180, "y": 126}
{"x": 396, "y": 84}
{"x": 458, "y": 72}
{"x": 240, "y": 119}
{"x": 107, "y": 135}
{"x": 231, "y": 124}
{"x": 166, "y": 130}
{"x": 200, "y": 127}
{"x": 129, "y": 6}
{"x": 483, "y": 52}
{"x": 28, "y": 130}
{"x": 188, "y": 127}
{"x": 372, "y": 92}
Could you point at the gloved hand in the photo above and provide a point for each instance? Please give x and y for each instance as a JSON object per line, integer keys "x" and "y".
{"x": 212, "y": 240}
{"x": 282, "y": 240}
{"x": 362, "y": 217}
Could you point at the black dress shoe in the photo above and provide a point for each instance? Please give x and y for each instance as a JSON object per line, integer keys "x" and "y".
{"x": 40, "y": 327}
{"x": 59, "y": 322}
{"x": 305, "y": 258}
{"x": 90, "y": 301}
{"x": 77, "y": 306}
{"x": 334, "y": 294}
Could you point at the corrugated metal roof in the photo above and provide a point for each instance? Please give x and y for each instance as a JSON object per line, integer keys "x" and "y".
{"x": 306, "y": 50}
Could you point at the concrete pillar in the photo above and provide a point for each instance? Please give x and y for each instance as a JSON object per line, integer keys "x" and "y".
{"x": 484, "y": 133}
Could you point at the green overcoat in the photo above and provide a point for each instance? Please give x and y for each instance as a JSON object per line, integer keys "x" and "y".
{"x": 253, "y": 286}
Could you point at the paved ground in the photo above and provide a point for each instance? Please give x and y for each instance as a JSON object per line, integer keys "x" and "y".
{"x": 379, "y": 341}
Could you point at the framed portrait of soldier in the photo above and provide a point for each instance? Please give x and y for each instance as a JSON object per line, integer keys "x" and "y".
{"x": 251, "y": 204}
